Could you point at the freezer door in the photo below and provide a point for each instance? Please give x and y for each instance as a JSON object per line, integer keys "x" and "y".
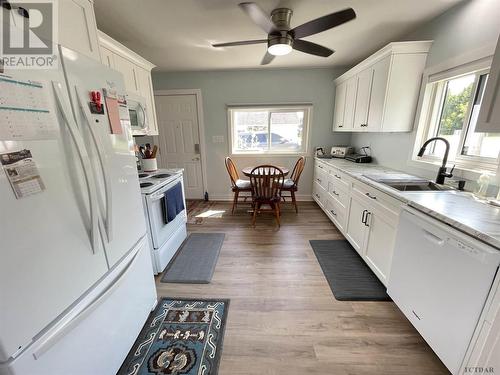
{"x": 50, "y": 251}
{"x": 112, "y": 155}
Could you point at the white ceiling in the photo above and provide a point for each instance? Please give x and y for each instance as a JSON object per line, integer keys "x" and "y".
{"x": 176, "y": 35}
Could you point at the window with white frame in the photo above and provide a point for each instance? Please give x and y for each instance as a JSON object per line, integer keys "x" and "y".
{"x": 269, "y": 130}
{"x": 451, "y": 106}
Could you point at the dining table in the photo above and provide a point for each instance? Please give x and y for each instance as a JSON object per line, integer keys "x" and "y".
{"x": 247, "y": 171}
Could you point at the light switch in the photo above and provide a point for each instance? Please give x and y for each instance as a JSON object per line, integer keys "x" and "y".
{"x": 217, "y": 139}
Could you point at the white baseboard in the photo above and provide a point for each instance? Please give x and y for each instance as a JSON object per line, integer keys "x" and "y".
{"x": 229, "y": 197}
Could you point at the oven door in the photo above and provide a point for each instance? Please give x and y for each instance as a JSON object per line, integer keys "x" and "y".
{"x": 160, "y": 230}
{"x": 138, "y": 115}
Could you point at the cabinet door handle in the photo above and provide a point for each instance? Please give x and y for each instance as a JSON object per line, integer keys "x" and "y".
{"x": 338, "y": 176}
{"x": 317, "y": 195}
{"x": 341, "y": 126}
{"x": 333, "y": 213}
{"x": 370, "y": 196}
{"x": 363, "y": 216}
{"x": 319, "y": 180}
{"x": 368, "y": 214}
{"x": 320, "y": 166}
{"x": 335, "y": 193}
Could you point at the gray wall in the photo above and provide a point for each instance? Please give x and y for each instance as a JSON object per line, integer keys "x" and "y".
{"x": 465, "y": 27}
{"x": 258, "y": 87}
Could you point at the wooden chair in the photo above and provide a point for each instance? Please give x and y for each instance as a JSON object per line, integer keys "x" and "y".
{"x": 291, "y": 184}
{"x": 237, "y": 185}
{"x": 267, "y": 182}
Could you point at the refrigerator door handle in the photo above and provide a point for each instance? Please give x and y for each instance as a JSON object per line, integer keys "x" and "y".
{"x": 66, "y": 327}
{"x": 107, "y": 184}
{"x": 81, "y": 151}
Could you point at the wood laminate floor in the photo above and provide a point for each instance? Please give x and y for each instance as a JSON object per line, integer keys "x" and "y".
{"x": 283, "y": 318}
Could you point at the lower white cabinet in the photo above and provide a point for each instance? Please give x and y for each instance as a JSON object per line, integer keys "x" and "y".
{"x": 484, "y": 350}
{"x": 379, "y": 243}
{"x": 356, "y": 227}
{"x": 367, "y": 217}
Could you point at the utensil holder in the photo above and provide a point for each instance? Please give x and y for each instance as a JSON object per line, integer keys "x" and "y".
{"x": 149, "y": 165}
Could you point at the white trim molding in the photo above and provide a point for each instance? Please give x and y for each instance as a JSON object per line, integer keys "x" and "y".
{"x": 308, "y": 118}
{"x": 471, "y": 61}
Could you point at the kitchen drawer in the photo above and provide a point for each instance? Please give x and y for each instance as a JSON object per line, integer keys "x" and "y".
{"x": 338, "y": 191}
{"x": 321, "y": 177}
{"x": 378, "y": 198}
{"x": 336, "y": 212}
{"x": 341, "y": 179}
{"x": 319, "y": 194}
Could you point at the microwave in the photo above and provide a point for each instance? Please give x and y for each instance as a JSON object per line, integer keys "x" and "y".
{"x": 139, "y": 121}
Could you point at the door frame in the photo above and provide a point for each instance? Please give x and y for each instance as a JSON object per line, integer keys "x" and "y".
{"x": 201, "y": 126}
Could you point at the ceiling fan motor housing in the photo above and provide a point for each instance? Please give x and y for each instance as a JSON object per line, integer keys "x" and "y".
{"x": 281, "y": 18}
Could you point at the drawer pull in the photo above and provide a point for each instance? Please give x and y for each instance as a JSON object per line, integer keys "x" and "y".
{"x": 335, "y": 193}
{"x": 341, "y": 126}
{"x": 317, "y": 195}
{"x": 319, "y": 180}
{"x": 370, "y": 196}
{"x": 333, "y": 213}
{"x": 338, "y": 176}
{"x": 320, "y": 166}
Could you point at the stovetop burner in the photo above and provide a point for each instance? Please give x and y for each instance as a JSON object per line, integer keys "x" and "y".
{"x": 146, "y": 184}
{"x": 161, "y": 175}
{"x": 142, "y": 175}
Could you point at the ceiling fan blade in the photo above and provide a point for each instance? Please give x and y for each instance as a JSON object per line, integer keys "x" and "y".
{"x": 311, "y": 48}
{"x": 323, "y": 23}
{"x": 267, "y": 59}
{"x": 240, "y": 43}
{"x": 258, "y": 16}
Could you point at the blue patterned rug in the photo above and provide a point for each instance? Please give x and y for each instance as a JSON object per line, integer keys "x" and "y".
{"x": 181, "y": 337}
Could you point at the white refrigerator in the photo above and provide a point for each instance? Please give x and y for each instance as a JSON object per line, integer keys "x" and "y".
{"x": 76, "y": 282}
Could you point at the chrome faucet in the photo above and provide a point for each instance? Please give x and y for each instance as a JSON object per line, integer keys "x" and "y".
{"x": 442, "y": 173}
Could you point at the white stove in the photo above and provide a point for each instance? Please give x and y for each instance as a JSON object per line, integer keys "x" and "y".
{"x": 165, "y": 236}
{"x": 152, "y": 181}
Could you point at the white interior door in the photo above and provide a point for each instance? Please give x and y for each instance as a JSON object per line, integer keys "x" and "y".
{"x": 179, "y": 139}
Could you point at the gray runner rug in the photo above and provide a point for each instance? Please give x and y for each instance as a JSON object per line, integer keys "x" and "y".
{"x": 349, "y": 276}
{"x": 195, "y": 261}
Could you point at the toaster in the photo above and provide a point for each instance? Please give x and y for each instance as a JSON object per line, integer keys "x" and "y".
{"x": 341, "y": 151}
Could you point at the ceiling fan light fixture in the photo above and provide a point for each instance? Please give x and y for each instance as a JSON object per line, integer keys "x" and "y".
{"x": 280, "y": 46}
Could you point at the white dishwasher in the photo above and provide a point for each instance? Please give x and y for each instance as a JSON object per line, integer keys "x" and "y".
{"x": 440, "y": 279}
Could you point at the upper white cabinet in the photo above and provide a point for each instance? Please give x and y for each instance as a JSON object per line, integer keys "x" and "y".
{"x": 77, "y": 27}
{"x": 489, "y": 115}
{"x": 136, "y": 73}
{"x": 382, "y": 91}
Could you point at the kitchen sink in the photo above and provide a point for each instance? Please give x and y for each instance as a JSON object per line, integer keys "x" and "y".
{"x": 418, "y": 186}
{"x": 403, "y": 182}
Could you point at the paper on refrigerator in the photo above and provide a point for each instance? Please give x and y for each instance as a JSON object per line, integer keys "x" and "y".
{"x": 22, "y": 173}
{"x": 25, "y": 110}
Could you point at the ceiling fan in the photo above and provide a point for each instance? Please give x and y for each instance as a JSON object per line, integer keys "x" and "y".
{"x": 281, "y": 39}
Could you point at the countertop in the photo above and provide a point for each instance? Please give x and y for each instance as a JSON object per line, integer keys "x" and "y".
{"x": 460, "y": 210}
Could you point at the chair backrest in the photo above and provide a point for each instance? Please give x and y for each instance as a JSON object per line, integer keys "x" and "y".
{"x": 232, "y": 171}
{"x": 267, "y": 182}
{"x": 297, "y": 170}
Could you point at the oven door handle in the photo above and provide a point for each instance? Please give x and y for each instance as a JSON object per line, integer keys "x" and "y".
{"x": 157, "y": 197}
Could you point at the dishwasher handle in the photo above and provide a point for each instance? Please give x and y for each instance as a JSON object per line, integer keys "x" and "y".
{"x": 433, "y": 238}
